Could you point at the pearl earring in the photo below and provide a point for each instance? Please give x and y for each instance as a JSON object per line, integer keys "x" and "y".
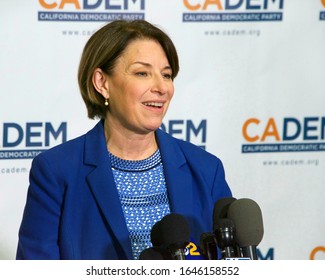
{"x": 106, "y": 102}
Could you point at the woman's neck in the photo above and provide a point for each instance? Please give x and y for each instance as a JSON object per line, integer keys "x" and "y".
{"x": 130, "y": 146}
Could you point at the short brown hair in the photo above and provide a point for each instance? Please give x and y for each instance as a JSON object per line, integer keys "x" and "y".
{"x": 105, "y": 46}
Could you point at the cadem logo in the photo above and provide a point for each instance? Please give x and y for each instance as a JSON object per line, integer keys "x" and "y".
{"x": 232, "y": 10}
{"x": 90, "y": 10}
{"x": 285, "y": 135}
{"x": 25, "y": 141}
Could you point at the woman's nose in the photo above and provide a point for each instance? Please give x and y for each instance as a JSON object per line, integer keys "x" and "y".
{"x": 160, "y": 85}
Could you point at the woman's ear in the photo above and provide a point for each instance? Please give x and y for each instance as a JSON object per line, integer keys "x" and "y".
{"x": 100, "y": 82}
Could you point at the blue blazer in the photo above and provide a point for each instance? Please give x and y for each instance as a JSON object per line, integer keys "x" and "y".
{"x": 73, "y": 209}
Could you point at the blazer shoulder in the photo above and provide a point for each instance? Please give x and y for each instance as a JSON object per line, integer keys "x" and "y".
{"x": 191, "y": 151}
{"x": 66, "y": 150}
{"x": 75, "y": 150}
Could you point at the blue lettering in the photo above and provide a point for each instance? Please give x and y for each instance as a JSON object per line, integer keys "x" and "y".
{"x": 191, "y": 128}
{"x": 253, "y": 4}
{"x": 113, "y": 7}
{"x": 322, "y": 16}
{"x": 91, "y": 5}
{"x": 172, "y": 130}
{"x": 286, "y": 122}
{"x": 323, "y": 128}
{"x": 308, "y": 128}
{"x": 87, "y": 6}
{"x": 250, "y": 6}
{"x": 269, "y": 255}
{"x": 126, "y": 4}
{"x": 233, "y": 6}
{"x": 13, "y": 134}
{"x": 176, "y": 129}
{"x": 50, "y": 130}
{"x": 17, "y": 127}
{"x": 30, "y": 134}
{"x": 266, "y": 3}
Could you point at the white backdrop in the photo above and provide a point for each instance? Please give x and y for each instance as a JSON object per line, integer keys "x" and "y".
{"x": 252, "y": 73}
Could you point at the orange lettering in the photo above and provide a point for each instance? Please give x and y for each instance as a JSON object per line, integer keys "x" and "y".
{"x": 75, "y": 2}
{"x": 271, "y": 130}
{"x": 191, "y": 7}
{"x": 315, "y": 251}
{"x": 245, "y": 126}
{"x": 47, "y": 6}
{"x": 212, "y": 2}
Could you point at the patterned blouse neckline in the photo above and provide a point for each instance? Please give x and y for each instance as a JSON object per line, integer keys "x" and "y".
{"x": 135, "y": 165}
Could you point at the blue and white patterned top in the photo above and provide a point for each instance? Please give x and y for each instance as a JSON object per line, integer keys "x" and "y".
{"x": 142, "y": 190}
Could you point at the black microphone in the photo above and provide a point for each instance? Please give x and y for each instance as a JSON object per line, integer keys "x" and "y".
{"x": 247, "y": 217}
{"x": 220, "y": 211}
{"x": 221, "y": 206}
{"x": 155, "y": 235}
{"x": 154, "y": 253}
{"x": 224, "y": 230}
{"x": 174, "y": 234}
{"x": 208, "y": 246}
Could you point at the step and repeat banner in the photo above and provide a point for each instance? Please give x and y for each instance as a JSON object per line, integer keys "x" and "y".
{"x": 251, "y": 90}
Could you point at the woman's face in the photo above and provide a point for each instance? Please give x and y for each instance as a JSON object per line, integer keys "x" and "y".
{"x": 140, "y": 88}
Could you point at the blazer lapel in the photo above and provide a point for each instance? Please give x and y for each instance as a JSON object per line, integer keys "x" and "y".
{"x": 178, "y": 178}
{"x": 103, "y": 188}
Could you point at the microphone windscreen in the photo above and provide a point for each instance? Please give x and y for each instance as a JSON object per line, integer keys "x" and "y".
{"x": 174, "y": 230}
{"x": 155, "y": 235}
{"x": 247, "y": 216}
{"x": 151, "y": 254}
{"x": 221, "y": 208}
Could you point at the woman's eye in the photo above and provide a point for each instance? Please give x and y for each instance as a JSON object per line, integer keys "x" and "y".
{"x": 142, "y": 74}
{"x": 167, "y": 76}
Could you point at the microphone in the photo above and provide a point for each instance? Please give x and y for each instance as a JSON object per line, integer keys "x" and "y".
{"x": 155, "y": 235}
{"x": 247, "y": 217}
{"x": 154, "y": 253}
{"x": 221, "y": 206}
{"x": 220, "y": 211}
{"x": 224, "y": 230}
{"x": 208, "y": 246}
{"x": 174, "y": 234}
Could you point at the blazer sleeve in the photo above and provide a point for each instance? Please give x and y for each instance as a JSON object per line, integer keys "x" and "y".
{"x": 38, "y": 233}
{"x": 221, "y": 188}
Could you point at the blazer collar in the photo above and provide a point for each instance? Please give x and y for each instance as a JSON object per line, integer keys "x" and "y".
{"x": 178, "y": 177}
{"x": 102, "y": 185}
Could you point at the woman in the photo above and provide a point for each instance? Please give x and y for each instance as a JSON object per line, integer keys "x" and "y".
{"x": 98, "y": 196}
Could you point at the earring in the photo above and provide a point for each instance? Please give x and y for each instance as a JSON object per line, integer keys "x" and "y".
{"x": 106, "y": 102}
